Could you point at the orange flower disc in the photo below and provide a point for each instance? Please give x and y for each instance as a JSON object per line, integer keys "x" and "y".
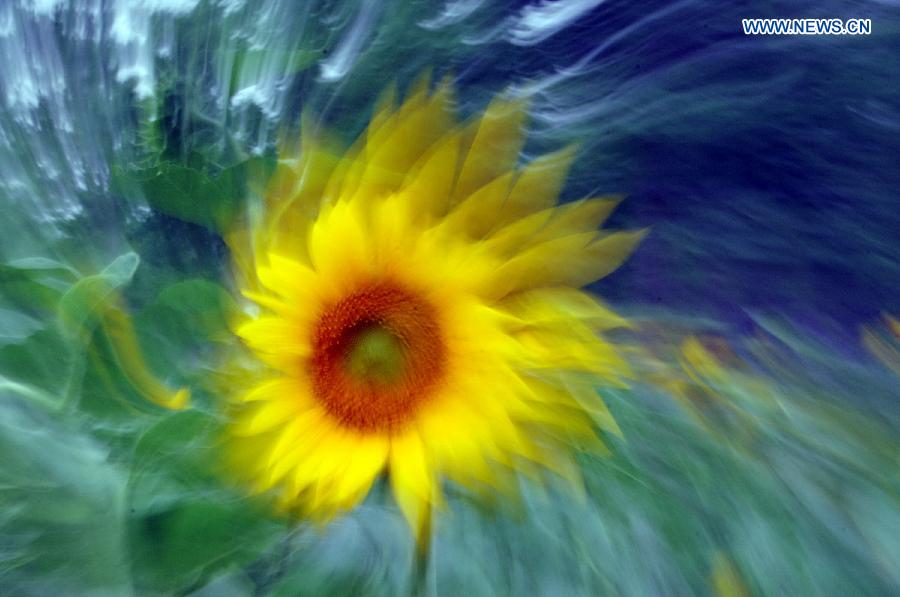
{"x": 376, "y": 355}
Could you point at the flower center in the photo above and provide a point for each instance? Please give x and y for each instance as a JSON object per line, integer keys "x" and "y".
{"x": 377, "y": 355}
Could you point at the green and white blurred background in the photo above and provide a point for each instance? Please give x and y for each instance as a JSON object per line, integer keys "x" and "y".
{"x": 759, "y": 451}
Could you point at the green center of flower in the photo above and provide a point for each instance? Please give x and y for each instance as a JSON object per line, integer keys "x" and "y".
{"x": 375, "y": 356}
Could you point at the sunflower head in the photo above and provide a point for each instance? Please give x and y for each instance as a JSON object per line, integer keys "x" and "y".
{"x": 419, "y": 313}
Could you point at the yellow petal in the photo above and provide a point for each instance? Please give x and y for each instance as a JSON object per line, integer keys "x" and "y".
{"x": 476, "y": 215}
{"x": 366, "y": 459}
{"x": 573, "y": 260}
{"x": 384, "y": 107}
{"x": 287, "y": 277}
{"x": 571, "y": 218}
{"x": 337, "y": 244}
{"x": 460, "y": 441}
{"x": 273, "y": 389}
{"x": 495, "y": 146}
{"x": 418, "y": 125}
{"x": 275, "y": 335}
{"x": 538, "y": 186}
{"x": 428, "y": 192}
{"x": 560, "y": 305}
{"x": 266, "y": 416}
{"x": 295, "y": 443}
{"x": 412, "y": 480}
{"x": 269, "y": 301}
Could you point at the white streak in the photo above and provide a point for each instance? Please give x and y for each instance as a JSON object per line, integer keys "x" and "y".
{"x": 131, "y": 30}
{"x": 453, "y": 13}
{"x": 539, "y": 21}
{"x": 341, "y": 60}
{"x": 257, "y": 96}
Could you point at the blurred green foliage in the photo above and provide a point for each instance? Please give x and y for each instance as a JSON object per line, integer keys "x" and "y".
{"x": 101, "y": 491}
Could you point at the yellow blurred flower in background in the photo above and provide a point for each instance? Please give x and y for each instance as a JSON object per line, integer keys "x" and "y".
{"x": 420, "y": 313}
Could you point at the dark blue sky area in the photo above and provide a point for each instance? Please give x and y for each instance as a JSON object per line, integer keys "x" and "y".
{"x": 767, "y": 167}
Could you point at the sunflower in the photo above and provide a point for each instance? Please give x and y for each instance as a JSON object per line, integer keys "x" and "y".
{"x": 417, "y": 313}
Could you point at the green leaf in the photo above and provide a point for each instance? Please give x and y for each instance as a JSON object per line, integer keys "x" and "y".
{"x": 35, "y": 283}
{"x": 81, "y": 305}
{"x": 180, "y": 446}
{"x": 121, "y": 269}
{"x": 176, "y": 548}
{"x": 190, "y": 195}
{"x": 203, "y": 307}
{"x": 193, "y": 196}
{"x": 185, "y": 332}
{"x": 40, "y": 263}
{"x": 41, "y": 360}
{"x": 16, "y": 326}
{"x": 187, "y": 525}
